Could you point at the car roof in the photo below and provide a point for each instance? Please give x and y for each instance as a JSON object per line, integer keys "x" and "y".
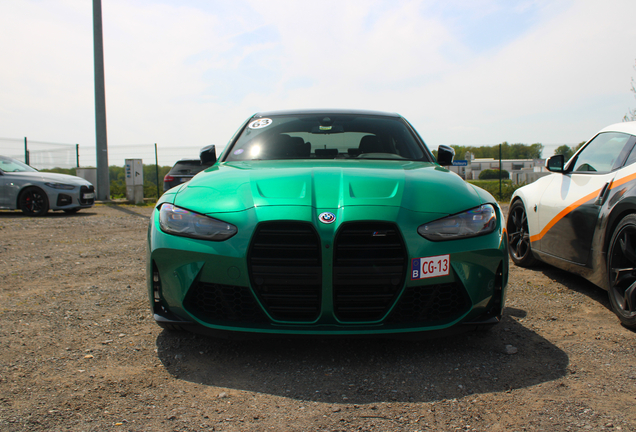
{"x": 325, "y": 112}
{"x": 625, "y": 127}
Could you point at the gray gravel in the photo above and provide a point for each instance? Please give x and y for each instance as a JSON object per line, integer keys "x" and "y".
{"x": 81, "y": 352}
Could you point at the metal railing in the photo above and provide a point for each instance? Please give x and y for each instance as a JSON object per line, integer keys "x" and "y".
{"x": 48, "y": 155}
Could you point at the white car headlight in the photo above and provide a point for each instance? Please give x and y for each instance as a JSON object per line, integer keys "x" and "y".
{"x": 182, "y": 222}
{"x": 471, "y": 223}
{"x": 60, "y": 186}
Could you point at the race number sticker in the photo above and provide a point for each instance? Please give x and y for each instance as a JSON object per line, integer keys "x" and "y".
{"x": 261, "y": 123}
{"x": 430, "y": 267}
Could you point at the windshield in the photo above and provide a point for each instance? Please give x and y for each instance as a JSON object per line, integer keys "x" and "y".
{"x": 325, "y": 136}
{"x": 8, "y": 164}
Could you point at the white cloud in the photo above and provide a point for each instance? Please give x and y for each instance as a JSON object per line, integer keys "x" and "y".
{"x": 187, "y": 73}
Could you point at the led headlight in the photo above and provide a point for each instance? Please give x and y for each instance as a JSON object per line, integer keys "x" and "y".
{"x": 60, "y": 186}
{"x": 182, "y": 222}
{"x": 471, "y": 223}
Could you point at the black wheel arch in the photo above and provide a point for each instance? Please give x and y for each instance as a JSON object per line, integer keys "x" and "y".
{"x": 22, "y": 189}
{"x": 624, "y": 208}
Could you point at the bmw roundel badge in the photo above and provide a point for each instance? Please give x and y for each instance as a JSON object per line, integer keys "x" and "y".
{"x": 327, "y": 217}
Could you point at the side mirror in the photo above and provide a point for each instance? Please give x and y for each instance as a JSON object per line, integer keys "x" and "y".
{"x": 445, "y": 155}
{"x": 208, "y": 154}
{"x": 555, "y": 164}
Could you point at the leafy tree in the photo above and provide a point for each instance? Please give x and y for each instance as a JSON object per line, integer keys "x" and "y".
{"x": 69, "y": 171}
{"x": 508, "y": 151}
{"x": 631, "y": 113}
{"x": 493, "y": 174}
{"x": 117, "y": 175}
{"x": 118, "y": 180}
{"x": 564, "y": 150}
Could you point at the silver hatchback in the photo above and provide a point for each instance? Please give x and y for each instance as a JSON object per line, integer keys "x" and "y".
{"x": 25, "y": 188}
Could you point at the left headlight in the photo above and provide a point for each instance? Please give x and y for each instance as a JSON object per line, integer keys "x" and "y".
{"x": 471, "y": 223}
{"x": 182, "y": 222}
{"x": 60, "y": 186}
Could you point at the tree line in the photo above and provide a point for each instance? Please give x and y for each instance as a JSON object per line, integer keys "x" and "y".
{"x": 508, "y": 151}
{"x": 117, "y": 175}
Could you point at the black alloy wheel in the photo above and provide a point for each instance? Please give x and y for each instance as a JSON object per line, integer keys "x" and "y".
{"x": 621, "y": 263}
{"x": 519, "y": 236}
{"x": 33, "y": 202}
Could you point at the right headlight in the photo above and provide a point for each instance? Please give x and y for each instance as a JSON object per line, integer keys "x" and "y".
{"x": 471, "y": 223}
{"x": 181, "y": 222}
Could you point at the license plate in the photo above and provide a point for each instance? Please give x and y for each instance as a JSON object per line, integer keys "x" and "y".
{"x": 88, "y": 196}
{"x": 430, "y": 267}
{"x": 184, "y": 179}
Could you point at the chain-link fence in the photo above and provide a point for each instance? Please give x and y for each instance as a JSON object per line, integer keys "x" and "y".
{"x": 48, "y": 155}
{"x": 40, "y": 154}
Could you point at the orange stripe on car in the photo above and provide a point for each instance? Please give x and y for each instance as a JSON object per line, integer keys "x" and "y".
{"x": 578, "y": 203}
{"x": 622, "y": 181}
{"x": 564, "y": 213}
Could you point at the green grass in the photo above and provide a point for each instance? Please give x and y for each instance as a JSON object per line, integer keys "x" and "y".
{"x": 492, "y": 186}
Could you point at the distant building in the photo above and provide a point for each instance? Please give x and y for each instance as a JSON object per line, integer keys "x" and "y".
{"x": 521, "y": 170}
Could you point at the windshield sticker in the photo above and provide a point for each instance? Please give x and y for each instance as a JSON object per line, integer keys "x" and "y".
{"x": 239, "y": 151}
{"x": 260, "y": 123}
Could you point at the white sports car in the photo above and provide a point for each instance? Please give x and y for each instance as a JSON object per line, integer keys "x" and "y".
{"x": 582, "y": 218}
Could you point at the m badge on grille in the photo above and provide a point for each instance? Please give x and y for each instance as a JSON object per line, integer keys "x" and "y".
{"x": 327, "y": 217}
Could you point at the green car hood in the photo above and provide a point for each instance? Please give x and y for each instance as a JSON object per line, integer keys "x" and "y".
{"x": 330, "y": 184}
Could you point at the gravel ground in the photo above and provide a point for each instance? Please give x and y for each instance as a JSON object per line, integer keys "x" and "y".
{"x": 81, "y": 352}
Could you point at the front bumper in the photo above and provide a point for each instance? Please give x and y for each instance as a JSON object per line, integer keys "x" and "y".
{"x": 80, "y": 197}
{"x": 225, "y": 288}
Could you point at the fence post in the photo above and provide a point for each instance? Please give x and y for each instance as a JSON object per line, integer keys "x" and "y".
{"x": 500, "y": 196}
{"x": 26, "y": 151}
{"x": 157, "y": 171}
{"x": 77, "y": 154}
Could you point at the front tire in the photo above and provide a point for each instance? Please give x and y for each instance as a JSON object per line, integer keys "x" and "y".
{"x": 621, "y": 269}
{"x": 33, "y": 202}
{"x": 518, "y": 236}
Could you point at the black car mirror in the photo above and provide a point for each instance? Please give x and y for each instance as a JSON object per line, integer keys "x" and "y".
{"x": 555, "y": 164}
{"x": 208, "y": 154}
{"x": 445, "y": 155}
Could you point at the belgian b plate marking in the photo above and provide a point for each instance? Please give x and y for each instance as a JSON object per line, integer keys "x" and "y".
{"x": 429, "y": 267}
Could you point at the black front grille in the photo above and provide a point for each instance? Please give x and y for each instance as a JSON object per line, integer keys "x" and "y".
{"x": 370, "y": 263}
{"x": 285, "y": 269}
{"x": 432, "y": 304}
{"x": 223, "y": 303}
{"x": 84, "y": 190}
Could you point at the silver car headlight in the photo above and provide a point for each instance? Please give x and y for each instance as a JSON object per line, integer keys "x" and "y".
{"x": 60, "y": 186}
{"x": 185, "y": 223}
{"x": 471, "y": 223}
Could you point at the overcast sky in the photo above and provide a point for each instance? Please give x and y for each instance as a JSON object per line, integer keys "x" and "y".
{"x": 189, "y": 72}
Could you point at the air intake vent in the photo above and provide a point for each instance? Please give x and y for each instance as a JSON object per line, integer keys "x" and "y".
{"x": 216, "y": 303}
{"x": 285, "y": 270}
{"x": 370, "y": 264}
{"x": 430, "y": 305}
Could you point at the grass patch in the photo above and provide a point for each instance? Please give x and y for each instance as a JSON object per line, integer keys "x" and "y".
{"x": 492, "y": 186}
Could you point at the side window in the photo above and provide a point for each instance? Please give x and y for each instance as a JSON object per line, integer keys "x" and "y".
{"x": 605, "y": 153}
{"x": 632, "y": 155}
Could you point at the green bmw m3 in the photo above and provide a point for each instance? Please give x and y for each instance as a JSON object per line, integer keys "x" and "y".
{"x": 327, "y": 223}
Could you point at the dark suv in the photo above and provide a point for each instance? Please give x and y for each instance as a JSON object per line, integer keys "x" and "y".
{"x": 183, "y": 171}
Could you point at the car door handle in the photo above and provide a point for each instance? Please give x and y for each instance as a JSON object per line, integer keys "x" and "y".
{"x": 602, "y": 196}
